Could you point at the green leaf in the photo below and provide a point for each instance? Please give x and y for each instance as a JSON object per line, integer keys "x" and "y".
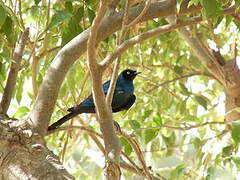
{"x": 91, "y": 15}
{"x": 37, "y": 2}
{"x": 58, "y": 18}
{"x": 158, "y": 119}
{"x": 68, "y": 6}
{"x": 147, "y": 113}
{"x": 178, "y": 70}
{"x": 227, "y": 151}
{"x": 79, "y": 13}
{"x": 178, "y": 172}
{"x": 211, "y": 8}
{"x": 71, "y": 81}
{"x": 182, "y": 107}
{"x": 7, "y": 26}
{"x": 71, "y": 30}
{"x": 3, "y": 15}
{"x": 127, "y": 147}
{"x": 236, "y": 160}
{"x": 236, "y": 132}
{"x": 149, "y": 135}
{"x": 228, "y": 19}
{"x": 237, "y": 4}
{"x": 211, "y": 172}
{"x": 184, "y": 89}
{"x": 193, "y": 2}
{"x": 201, "y": 100}
{"x": 22, "y": 111}
{"x": 169, "y": 141}
{"x": 19, "y": 94}
{"x": 134, "y": 124}
{"x": 197, "y": 143}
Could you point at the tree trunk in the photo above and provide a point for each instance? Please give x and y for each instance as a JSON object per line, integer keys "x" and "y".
{"x": 23, "y": 154}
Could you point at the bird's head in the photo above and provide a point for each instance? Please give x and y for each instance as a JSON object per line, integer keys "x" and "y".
{"x": 129, "y": 74}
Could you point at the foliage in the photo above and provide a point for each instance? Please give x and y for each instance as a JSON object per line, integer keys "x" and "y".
{"x": 190, "y": 98}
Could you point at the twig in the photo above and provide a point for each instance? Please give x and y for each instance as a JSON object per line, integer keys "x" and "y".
{"x": 139, "y": 17}
{"x": 35, "y": 60}
{"x": 135, "y": 169}
{"x": 20, "y": 13}
{"x": 63, "y": 128}
{"x": 181, "y": 128}
{"x": 137, "y": 39}
{"x": 82, "y": 86}
{"x": 12, "y": 75}
{"x": 138, "y": 152}
{"x": 132, "y": 162}
{"x": 46, "y": 52}
{"x": 97, "y": 142}
{"x": 178, "y": 78}
{"x": 117, "y": 62}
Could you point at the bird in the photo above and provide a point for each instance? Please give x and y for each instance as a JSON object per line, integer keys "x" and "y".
{"x": 123, "y": 98}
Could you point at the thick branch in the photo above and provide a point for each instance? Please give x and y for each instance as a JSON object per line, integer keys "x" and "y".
{"x": 12, "y": 75}
{"x": 96, "y": 72}
{"x": 104, "y": 115}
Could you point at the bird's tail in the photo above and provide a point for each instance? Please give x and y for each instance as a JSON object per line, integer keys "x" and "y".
{"x": 62, "y": 120}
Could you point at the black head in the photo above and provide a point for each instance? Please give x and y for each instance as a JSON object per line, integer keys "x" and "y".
{"x": 129, "y": 74}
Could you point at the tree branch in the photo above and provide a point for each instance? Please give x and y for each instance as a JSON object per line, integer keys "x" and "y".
{"x": 117, "y": 62}
{"x": 104, "y": 115}
{"x": 185, "y": 128}
{"x": 138, "y": 18}
{"x": 138, "y": 152}
{"x": 178, "y": 78}
{"x": 35, "y": 60}
{"x": 139, "y": 38}
{"x": 135, "y": 169}
{"x": 14, "y": 68}
{"x": 201, "y": 52}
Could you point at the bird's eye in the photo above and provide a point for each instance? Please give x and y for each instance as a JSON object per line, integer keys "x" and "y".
{"x": 128, "y": 73}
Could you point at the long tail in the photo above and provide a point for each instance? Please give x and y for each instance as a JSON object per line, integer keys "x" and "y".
{"x": 62, "y": 120}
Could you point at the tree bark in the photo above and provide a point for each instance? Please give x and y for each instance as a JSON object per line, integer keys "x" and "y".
{"x": 232, "y": 90}
{"x": 23, "y": 154}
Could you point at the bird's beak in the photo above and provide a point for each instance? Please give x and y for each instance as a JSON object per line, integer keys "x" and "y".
{"x": 136, "y": 73}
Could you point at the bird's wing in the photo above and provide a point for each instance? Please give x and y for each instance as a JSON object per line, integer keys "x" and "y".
{"x": 87, "y": 105}
{"x": 120, "y": 97}
{"x": 130, "y": 101}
